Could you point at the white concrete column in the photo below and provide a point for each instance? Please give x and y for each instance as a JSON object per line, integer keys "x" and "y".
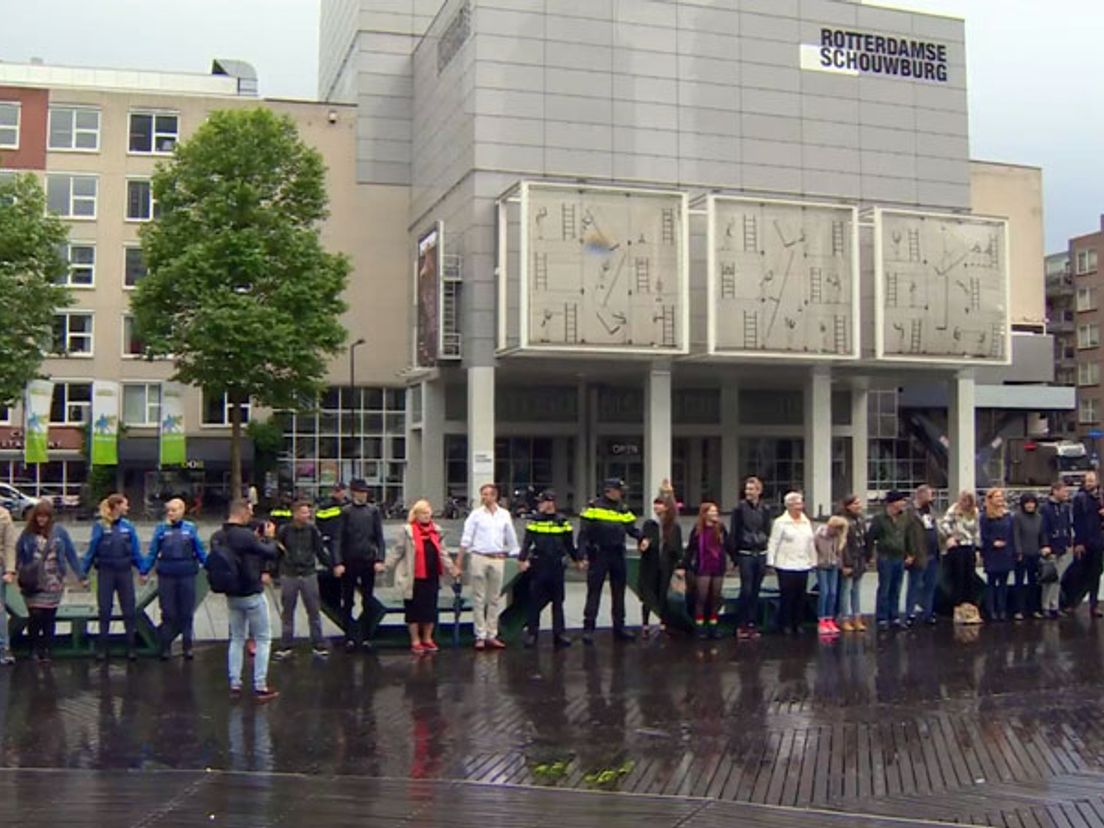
{"x": 962, "y": 434}
{"x": 590, "y": 460}
{"x": 657, "y": 429}
{"x": 433, "y": 443}
{"x": 583, "y": 457}
{"x": 559, "y": 469}
{"x": 731, "y": 473}
{"x": 860, "y": 436}
{"x": 481, "y": 428}
{"x": 818, "y": 442}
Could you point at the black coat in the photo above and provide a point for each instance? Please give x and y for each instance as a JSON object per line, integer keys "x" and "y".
{"x": 359, "y": 535}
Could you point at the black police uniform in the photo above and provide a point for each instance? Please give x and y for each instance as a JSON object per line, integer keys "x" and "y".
{"x": 605, "y": 524}
{"x": 548, "y": 539}
{"x": 327, "y": 518}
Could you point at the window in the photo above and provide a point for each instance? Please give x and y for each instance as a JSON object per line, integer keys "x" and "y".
{"x": 71, "y": 404}
{"x": 74, "y": 128}
{"x": 140, "y": 203}
{"x": 133, "y": 346}
{"x": 154, "y": 132}
{"x": 1088, "y": 335}
{"x": 5, "y": 415}
{"x": 9, "y": 125}
{"x": 1088, "y": 373}
{"x": 142, "y": 404}
{"x": 1086, "y": 261}
{"x": 135, "y": 267}
{"x": 82, "y": 265}
{"x": 73, "y": 333}
{"x": 1087, "y": 410}
{"x": 216, "y": 410}
{"x": 1086, "y": 299}
{"x": 72, "y": 196}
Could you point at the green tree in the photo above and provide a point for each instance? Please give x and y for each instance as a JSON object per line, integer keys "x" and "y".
{"x": 30, "y": 266}
{"x": 240, "y": 290}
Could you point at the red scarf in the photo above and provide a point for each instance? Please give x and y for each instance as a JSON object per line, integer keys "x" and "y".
{"x": 423, "y": 532}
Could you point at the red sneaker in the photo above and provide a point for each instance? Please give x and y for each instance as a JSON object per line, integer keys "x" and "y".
{"x": 430, "y": 647}
{"x": 417, "y": 648}
{"x": 496, "y": 644}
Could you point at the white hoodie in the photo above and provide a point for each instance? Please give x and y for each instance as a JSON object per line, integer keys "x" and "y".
{"x": 791, "y": 544}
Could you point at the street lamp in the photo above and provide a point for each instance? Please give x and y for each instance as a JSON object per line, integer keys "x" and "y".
{"x": 354, "y": 409}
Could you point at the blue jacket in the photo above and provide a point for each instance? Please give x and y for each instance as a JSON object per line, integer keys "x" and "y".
{"x": 993, "y": 558}
{"x": 176, "y": 550}
{"x": 1087, "y": 523}
{"x": 67, "y": 554}
{"x": 115, "y": 548}
{"x": 1057, "y": 525}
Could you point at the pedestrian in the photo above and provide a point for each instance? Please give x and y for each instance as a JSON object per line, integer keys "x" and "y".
{"x": 893, "y": 545}
{"x": 358, "y": 546}
{"x": 177, "y": 552}
{"x": 998, "y": 553}
{"x": 1088, "y": 531}
{"x": 253, "y": 497}
{"x": 44, "y": 554}
{"x": 1027, "y": 526}
{"x": 299, "y": 549}
{"x": 489, "y": 538}
{"x": 115, "y": 552}
{"x": 790, "y": 553}
{"x": 250, "y": 548}
{"x": 549, "y": 541}
{"x": 830, "y": 541}
{"x": 923, "y": 575}
{"x": 419, "y": 561}
{"x": 7, "y": 577}
{"x": 1056, "y": 551}
{"x": 605, "y": 526}
{"x": 748, "y": 534}
{"x": 856, "y": 560}
{"x": 961, "y": 532}
{"x": 706, "y": 560}
{"x": 659, "y": 562}
{"x": 280, "y": 514}
{"x": 328, "y": 514}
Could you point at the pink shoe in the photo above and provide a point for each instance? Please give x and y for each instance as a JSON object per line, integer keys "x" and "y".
{"x": 417, "y": 648}
{"x": 833, "y": 626}
{"x": 823, "y": 628}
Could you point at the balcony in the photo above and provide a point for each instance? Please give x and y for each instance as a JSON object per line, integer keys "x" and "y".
{"x": 1060, "y": 326}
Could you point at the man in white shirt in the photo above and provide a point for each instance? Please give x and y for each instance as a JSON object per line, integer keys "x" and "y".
{"x": 490, "y": 539}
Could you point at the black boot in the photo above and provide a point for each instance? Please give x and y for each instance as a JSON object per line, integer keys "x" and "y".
{"x": 530, "y": 641}
{"x": 621, "y": 634}
{"x": 561, "y": 640}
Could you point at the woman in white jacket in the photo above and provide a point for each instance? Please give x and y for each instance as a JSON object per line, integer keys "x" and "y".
{"x": 791, "y": 554}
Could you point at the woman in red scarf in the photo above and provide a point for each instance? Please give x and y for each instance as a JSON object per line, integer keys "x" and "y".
{"x": 419, "y": 562}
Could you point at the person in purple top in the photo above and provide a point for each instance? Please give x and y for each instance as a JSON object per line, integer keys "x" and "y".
{"x": 706, "y": 559}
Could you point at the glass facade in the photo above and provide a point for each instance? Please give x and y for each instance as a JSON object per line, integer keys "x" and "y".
{"x": 60, "y": 480}
{"x": 358, "y": 432}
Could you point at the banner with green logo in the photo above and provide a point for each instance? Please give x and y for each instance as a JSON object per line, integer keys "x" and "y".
{"x": 36, "y": 421}
{"x": 174, "y": 451}
{"x": 105, "y": 423}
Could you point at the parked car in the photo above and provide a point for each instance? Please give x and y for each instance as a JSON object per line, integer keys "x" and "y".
{"x": 15, "y": 501}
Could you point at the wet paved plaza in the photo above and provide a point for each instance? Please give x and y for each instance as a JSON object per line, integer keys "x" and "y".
{"x": 1002, "y": 725}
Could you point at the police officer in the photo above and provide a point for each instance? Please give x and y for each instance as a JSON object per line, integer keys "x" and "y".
{"x": 602, "y": 535}
{"x": 549, "y": 537}
{"x": 327, "y": 514}
{"x": 280, "y": 514}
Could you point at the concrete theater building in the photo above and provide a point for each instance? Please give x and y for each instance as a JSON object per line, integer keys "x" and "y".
{"x": 685, "y": 239}
{"x": 695, "y": 239}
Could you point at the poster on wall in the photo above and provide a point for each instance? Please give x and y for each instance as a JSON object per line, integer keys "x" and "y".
{"x": 105, "y": 423}
{"x": 784, "y": 278}
{"x": 36, "y": 421}
{"x": 428, "y": 285}
{"x": 941, "y": 287}
{"x": 604, "y": 269}
{"x": 172, "y": 446}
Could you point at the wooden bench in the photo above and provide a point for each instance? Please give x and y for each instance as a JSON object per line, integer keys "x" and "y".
{"x": 79, "y": 609}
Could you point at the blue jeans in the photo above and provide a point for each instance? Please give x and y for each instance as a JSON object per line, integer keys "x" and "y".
{"x": 828, "y": 589}
{"x": 996, "y": 597}
{"x": 249, "y": 611}
{"x": 921, "y": 590}
{"x": 3, "y": 619}
{"x": 850, "y": 588}
{"x": 891, "y": 573}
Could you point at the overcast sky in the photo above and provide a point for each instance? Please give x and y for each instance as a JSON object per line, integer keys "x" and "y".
{"x": 1034, "y": 69}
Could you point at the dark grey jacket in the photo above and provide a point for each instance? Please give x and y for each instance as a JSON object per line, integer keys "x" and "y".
{"x": 1028, "y": 532}
{"x": 359, "y": 536}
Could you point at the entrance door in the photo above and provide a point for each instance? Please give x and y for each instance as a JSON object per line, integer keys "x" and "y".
{"x": 623, "y": 458}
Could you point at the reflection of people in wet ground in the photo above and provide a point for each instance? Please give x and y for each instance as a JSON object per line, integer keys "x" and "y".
{"x": 429, "y": 728}
{"x": 249, "y": 739}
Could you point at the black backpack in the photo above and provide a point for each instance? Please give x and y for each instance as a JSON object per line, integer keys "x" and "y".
{"x": 32, "y": 575}
{"x": 224, "y": 567}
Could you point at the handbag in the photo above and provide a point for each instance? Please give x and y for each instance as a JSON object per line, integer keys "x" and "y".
{"x": 1048, "y": 570}
{"x": 32, "y": 575}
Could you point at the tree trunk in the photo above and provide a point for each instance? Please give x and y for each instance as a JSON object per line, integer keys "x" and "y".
{"x": 235, "y": 449}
